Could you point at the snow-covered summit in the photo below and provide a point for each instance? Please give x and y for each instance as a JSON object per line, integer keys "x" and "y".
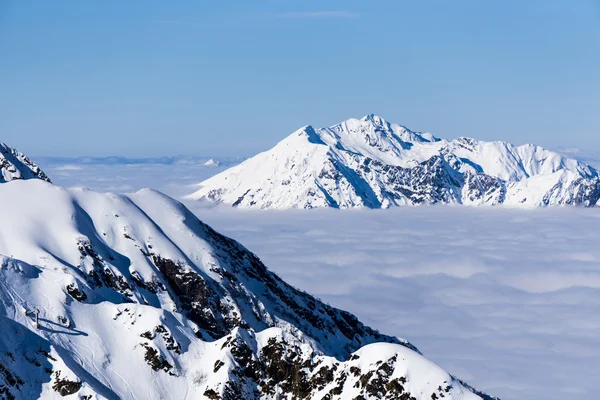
{"x": 16, "y": 165}
{"x": 211, "y": 163}
{"x": 370, "y": 162}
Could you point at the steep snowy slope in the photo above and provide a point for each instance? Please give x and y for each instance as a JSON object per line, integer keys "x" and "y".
{"x": 372, "y": 163}
{"x": 16, "y": 165}
{"x": 136, "y": 298}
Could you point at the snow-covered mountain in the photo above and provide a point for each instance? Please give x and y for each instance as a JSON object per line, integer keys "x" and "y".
{"x": 370, "y": 162}
{"x": 16, "y": 165}
{"x": 106, "y": 296}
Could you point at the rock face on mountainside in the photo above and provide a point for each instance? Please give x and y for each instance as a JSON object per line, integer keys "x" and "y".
{"x": 371, "y": 163}
{"x": 15, "y": 165}
{"x": 106, "y": 296}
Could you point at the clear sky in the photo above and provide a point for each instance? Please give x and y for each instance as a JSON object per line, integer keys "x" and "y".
{"x": 148, "y": 78}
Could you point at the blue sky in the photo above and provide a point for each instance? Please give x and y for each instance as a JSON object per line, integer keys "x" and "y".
{"x": 148, "y": 78}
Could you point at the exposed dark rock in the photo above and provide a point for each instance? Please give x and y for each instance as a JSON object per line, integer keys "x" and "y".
{"x": 76, "y": 293}
{"x": 194, "y": 295}
{"x": 155, "y": 360}
{"x": 211, "y": 394}
{"x": 218, "y": 365}
{"x": 101, "y": 274}
{"x": 65, "y": 387}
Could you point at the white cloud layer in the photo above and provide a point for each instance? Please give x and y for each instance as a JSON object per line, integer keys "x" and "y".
{"x": 508, "y": 300}
{"x": 175, "y": 177}
{"x": 317, "y": 14}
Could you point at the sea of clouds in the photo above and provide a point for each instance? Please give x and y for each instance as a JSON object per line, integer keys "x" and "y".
{"x": 506, "y": 299}
{"x": 176, "y": 176}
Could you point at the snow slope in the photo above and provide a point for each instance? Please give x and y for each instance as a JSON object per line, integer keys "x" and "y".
{"x": 371, "y": 163}
{"x": 138, "y": 299}
{"x": 16, "y": 165}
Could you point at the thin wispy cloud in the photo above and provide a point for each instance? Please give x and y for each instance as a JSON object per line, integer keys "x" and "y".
{"x": 178, "y": 22}
{"x": 331, "y": 14}
{"x": 340, "y": 14}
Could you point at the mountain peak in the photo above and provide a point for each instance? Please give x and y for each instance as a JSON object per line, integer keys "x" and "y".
{"x": 370, "y": 162}
{"x": 375, "y": 119}
{"x": 15, "y": 165}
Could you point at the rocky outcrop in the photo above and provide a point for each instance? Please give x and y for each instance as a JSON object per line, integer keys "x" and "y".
{"x": 16, "y": 165}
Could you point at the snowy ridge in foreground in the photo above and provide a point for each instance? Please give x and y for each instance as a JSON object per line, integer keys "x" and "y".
{"x": 137, "y": 298}
{"x": 15, "y": 165}
{"x": 371, "y": 163}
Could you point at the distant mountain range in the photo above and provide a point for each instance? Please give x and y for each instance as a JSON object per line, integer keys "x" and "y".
{"x": 118, "y": 160}
{"x": 106, "y": 296}
{"x": 589, "y": 157}
{"x": 372, "y": 163}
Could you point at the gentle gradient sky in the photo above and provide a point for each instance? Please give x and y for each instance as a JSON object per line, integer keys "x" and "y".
{"x": 148, "y": 78}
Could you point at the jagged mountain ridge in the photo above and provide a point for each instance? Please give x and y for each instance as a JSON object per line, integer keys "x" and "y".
{"x": 137, "y": 298}
{"x": 16, "y": 165}
{"x": 370, "y": 162}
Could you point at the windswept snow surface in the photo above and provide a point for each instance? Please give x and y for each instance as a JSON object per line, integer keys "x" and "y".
{"x": 372, "y": 163}
{"x": 507, "y": 299}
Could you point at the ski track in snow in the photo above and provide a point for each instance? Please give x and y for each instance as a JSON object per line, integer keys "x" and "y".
{"x": 506, "y": 299}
